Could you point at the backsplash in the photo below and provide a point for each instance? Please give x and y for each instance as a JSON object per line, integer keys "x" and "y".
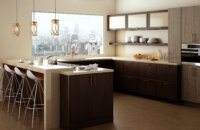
{"x": 129, "y": 51}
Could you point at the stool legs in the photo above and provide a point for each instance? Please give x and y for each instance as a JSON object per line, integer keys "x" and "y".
{"x": 9, "y": 89}
{"x": 20, "y": 93}
{"x": 4, "y": 74}
{"x": 37, "y": 87}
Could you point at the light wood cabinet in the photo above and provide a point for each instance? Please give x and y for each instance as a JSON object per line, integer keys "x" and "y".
{"x": 190, "y": 25}
{"x": 191, "y": 83}
{"x": 174, "y": 45}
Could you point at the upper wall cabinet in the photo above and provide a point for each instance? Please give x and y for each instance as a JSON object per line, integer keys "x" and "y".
{"x": 158, "y": 20}
{"x": 116, "y": 22}
{"x": 190, "y": 25}
{"x": 153, "y": 20}
{"x": 137, "y": 21}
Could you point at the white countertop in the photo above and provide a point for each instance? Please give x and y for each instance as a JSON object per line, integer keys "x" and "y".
{"x": 80, "y": 72}
{"x": 191, "y": 63}
{"x": 36, "y": 67}
{"x": 45, "y": 66}
{"x": 116, "y": 58}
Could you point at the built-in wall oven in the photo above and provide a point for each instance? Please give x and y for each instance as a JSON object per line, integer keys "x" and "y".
{"x": 190, "y": 53}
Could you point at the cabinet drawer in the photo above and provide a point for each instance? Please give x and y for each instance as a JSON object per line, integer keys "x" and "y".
{"x": 147, "y": 70}
{"x": 167, "y": 90}
{"x": 167, "y": 73}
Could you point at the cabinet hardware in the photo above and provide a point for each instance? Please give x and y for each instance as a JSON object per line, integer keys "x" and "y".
{"x": 194, "y": 37}
{"x": 95, "y": 80}
{"x": 91, "y": 81}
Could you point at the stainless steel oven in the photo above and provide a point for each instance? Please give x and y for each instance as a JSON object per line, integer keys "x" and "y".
{"x": 190, "y": 53}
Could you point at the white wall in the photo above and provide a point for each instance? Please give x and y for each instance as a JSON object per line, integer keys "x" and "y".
{"x": 20, "y": 47}
{"x": 124, "y": 6}
{"x": 128, "y": 6}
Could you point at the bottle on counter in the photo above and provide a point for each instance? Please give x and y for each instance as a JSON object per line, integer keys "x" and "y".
{"x": 159, "y": 54}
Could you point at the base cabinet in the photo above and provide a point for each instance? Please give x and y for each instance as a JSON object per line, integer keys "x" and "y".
{"x": 191, "y": 83}
{"x": 86, "y": 100}
{"x": 156, "y": 80}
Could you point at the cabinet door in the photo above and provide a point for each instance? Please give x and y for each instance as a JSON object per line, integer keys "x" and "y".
{"x": 137, "y": 21}
{"x": 117, "y": 22}
{"x": 103, "y": 97}
{"x": 80, "y": 100}
{"x": 198, "y": 85}
{"x": 147, "y": 70}
{"x": 189, "y": 83}
{"x": 187, "y": 24}
{"x": 158, "y": 20}
{"x": 190, "y": 25}
{"x": 196, "y": 26}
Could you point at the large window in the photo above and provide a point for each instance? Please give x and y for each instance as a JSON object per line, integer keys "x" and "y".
{"x": 85, "y": 32}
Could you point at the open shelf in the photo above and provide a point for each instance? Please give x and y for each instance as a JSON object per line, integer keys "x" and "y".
{"x": 139, "y": 44}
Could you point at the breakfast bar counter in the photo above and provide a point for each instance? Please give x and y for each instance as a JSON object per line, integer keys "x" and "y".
{"x": 51, "y": 86}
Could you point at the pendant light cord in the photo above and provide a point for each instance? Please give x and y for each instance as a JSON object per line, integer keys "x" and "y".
{"x": 55, "y": 9}
{"x": 16, "y": 11}
{"x": 33, "y": 10}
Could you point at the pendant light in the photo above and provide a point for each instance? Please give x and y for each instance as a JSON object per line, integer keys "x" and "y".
{"x": 55, "y": 25}
{"x": 16, "y": 25}
{"x": 34, "y": 23}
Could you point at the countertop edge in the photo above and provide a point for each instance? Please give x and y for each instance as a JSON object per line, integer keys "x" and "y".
{"x": 83, "y": 72}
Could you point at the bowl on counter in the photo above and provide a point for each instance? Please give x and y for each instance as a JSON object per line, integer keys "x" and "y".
{"x": 138, "y": 56}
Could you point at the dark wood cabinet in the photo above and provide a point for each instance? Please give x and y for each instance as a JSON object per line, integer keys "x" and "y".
{"x": 155, "y": 80}
{"x": 86, "y": 100}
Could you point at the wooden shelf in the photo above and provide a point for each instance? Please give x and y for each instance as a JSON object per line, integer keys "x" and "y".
{"x": 139, "y": 44}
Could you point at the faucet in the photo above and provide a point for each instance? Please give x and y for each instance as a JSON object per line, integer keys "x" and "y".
{"x": 53, "y": 61}
{"x": 49, "y": 57}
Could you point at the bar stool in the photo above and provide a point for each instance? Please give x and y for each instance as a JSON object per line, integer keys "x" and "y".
{"x": 20, "y": 91}
{"x": 33, "y": 97}
{"x": 10, "y": 89}
{"x": 4, "y": 74}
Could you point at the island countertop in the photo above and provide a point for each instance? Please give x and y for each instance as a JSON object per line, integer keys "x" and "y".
{"x": 80, "y": 72}
{"x": 116, "y": 58}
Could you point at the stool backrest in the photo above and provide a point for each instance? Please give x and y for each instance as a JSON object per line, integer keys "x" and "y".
{"x": 18, "y": 72}
{"x": 31, "y": 75}
{"x": 7, "y": 68}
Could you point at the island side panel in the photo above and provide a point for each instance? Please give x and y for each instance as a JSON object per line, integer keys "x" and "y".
{"x": 1, "y": 83}
{"x": 51, "y": 99}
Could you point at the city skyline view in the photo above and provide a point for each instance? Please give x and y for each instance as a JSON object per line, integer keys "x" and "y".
{"x": 83, "y": 31}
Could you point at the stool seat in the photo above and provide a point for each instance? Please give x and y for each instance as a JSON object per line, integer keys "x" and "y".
{"x": 40, "y": 77}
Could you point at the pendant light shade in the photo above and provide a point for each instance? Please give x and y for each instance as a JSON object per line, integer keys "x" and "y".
{"x": 55, "y": 25}
{"x": 16, "y": 26}
{"x": 16, "y": 29}
{"x": 34, "y": 23}
{"x": 34, "y": 28}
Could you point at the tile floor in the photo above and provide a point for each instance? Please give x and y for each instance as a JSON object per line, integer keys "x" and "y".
{"x": 130, "y": 113}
